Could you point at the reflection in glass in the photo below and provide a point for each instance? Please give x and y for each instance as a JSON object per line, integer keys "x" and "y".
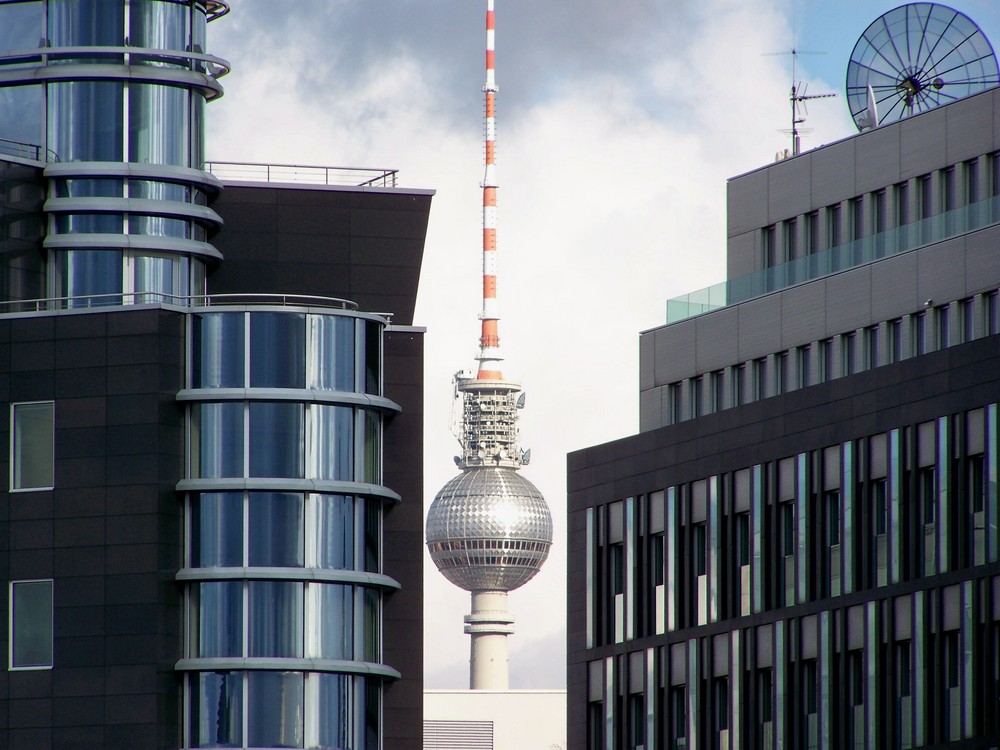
{"x": 373, "y": 535}
{"x": 159, "y": 25}
{"x": 91, "y": 272}
{"x": 31, "y": 624}
{"x": 331, "y": 341}
{"x": 218, "y": 350}
{"x": 218, "y": 619}
{"x": 275, "y": 529}
{"x": 217, "y": 710}
{"x": 157, "y": 124}
{"x": 333, "y": 531}
{"x": 276, "y": 439}
{"x": 217, "y": 530}
{"x": 334, "y": 711}
{"x": 373, "y": 358}
{"x": 20, "y": 115}
{"x": 158, "y": 226}
{"x": 277, "y": 350}
{"x": 372, "y": 624}
{"x": 88, "y": 223}
{"x": 20, "y": 26}
{"x": 373, "y": 447}
{"x": 274, "y": 715}
{"x": 333, "y": 430}
{"x": 219, "y": 439}
{"x": 154, "y": 278}
{"x": 275, "y": 612}
{"x": 96, "y": 23}
{"x": 85, "y": 120}
{"x": 332, "y": 621}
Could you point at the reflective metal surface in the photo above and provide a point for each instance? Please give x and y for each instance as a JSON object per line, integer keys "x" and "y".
{"x": 489, "y": 529}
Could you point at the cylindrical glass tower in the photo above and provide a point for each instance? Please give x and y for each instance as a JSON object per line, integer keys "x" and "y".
{"x": 111, "y": 95}
{"x": 284, "y": 525}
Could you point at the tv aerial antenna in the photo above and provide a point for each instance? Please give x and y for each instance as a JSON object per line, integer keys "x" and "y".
{"x": 914, "y": 58}
{"x": 798, "y": 98}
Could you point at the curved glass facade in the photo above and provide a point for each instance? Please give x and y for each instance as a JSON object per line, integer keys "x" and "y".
{"x": 113, "y": 100}
{"x": 284, "y": 525}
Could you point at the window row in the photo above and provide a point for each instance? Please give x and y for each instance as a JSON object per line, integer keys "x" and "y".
{"x": 908, "y": 504}
{"x": 285, "y": 439}
{"x": 904, "y": 673}
{"x": 286, "y": 350}
{"x": 282, "y": 710}
{"x": 285, "y": 529}
{"x": 821, "y": 361}
{"x": 284, "y": 619}
{"x": 927, "y": 208}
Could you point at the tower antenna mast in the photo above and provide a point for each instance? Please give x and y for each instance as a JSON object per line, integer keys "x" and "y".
{"x": 489, "y": 341}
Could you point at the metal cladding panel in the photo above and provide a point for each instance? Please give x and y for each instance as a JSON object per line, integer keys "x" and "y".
{"x": 647, "y": 357}
{"x": 941, "y": 269}
{"x": 803, "y": 314}
{"x": 876, "y": 159}
{"x": 788, "y": 189}
{"x": 981, "y": 268}
{"x": 923, "y": 143}
{"x": 972, "y": 120}
{"x": 742, "y": 255}
{"x": 848, "y": 300}
{"x": 832, "y": 176}
{"x": 716, "y": 339}
{"x": 760, "y": 327}
{"x": 670, "y": 364}
{"x": 746, "y": 198}
{"x": 651, "y": 408}
{"x": 896, "y": 282}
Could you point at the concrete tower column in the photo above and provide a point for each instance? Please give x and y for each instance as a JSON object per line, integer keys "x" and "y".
{"x": 489, "y": 625}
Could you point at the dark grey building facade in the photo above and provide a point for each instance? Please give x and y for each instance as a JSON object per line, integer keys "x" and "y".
{"x": 211, "y": 531}
{"x": 800, "y": 547}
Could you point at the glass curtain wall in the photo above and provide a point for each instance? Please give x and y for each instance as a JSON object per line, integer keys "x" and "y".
{"x": 284, "y": 530}
{"x": 104, "y": 89}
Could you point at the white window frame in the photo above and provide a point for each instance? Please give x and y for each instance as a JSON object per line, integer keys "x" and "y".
{"x": 12, "y": 448}
{"x": 11, "y": 635}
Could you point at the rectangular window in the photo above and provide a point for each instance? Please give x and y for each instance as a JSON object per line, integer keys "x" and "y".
{"x": 30, "y": 624}
{"x": 949, "y": 188}
{"x": 880, "y": 214}
{"x": 942, "y": 339}
{"x": 700, "y": 549}
{"x": 673, "y": 403}
{"x": 871, "y": 347}
{"x": 902, "y": 209}
{"x": 759, "y": 372}
{"x": 826, "y": 371}
{"x": 925, "y": 490}
{"x": 967, "y": 309}
{"x": 832, "y": 517}
{"x": 739, "y": 373}
{"x": 789, "y": 229}
{"x": 717, "y": 395}
{"x": 847, "y": 350}
{"x": 780, "y": 363}
{"x": 812, "y": 232}
{"x": 802, "y": 366}
{"x": 970, "y": 173}
{"x": 833, "y": 234}
{"x": 678, "y": 718}
{"x": 879, "y": 495}
{"x": 787, "y": 529}
{"x": 32, "y": 446}
{"x": 769, "y": 246}
{"x": 925, "y": 197}
{"x": 857, "y": 219}
{"x": 919, "y": 321}
{"x": 993, "y": 313}
{"x": 743, "y": 539}
{"x": 696, "y": 405}
{"x": 895, "y": 328}
{"x": 995, "y": 174}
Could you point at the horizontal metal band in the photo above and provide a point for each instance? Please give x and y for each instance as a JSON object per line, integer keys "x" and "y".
{"x": 143, "y": 242}
{"x": 140, "y": 206}
{"x": 300, "y": 395}
{"x": 133, "y": 171}
{"x": 227, "y": 664}
{"x": 324, "y": 575}
{"x": 266, "y": 484}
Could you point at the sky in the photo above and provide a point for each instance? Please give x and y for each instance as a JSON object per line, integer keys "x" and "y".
{"x": 617, "y": 127}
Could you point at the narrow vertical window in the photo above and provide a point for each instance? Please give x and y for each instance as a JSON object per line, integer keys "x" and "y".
{"x": 967, "y": 309}
{"x": 696, "y": 405}
{"x": 789, "y": 229}
{"x": 780, "y": 363}
{"x": 847, "y": 349}
{"x": 812, "y": 232}
{"x": 30, "y": 624}
{"x": 826, "y": 371}
{"x": 941, "y": 319}
{"x": 717, "y": 394}
{"x": 902, "y": 209}
{"x": 802, "y": 366}
{"x": 32, "y": 446}
{"x": 871, "y": 347}
{"x": 895, "y": 340}
{"x": 834, "y": 236}
{"x": 759, "y": 369}
{"x": 919, "y": 321}
{"x": 673, "y": 403}
{"x": 769, "y": 247}
{"x": 739, "y": 373}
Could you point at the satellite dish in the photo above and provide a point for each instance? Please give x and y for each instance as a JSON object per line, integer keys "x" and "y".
{"x": 914, "y": 58}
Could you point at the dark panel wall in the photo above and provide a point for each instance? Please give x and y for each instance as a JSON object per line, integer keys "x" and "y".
{"x": 22, "y": 225}
{"x": 109, "y": 533}
{"x": 404, "y": 535}
{"x": 361, "y": 245}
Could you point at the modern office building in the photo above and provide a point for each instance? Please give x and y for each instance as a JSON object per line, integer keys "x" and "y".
{"x": 212, "y": 529}
{"x": 800, "y": 548}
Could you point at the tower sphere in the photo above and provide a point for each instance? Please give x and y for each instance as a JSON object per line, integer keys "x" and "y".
{"x": 489, "y": 529}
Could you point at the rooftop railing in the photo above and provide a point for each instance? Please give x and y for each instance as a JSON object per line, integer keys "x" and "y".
{"x": 312, "y": 175}
{"x": 98, "y": 301}
{"x": 836, "y": 259}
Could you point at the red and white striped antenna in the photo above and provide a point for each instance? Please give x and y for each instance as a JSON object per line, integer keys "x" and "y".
{"x": 489, "y": 342}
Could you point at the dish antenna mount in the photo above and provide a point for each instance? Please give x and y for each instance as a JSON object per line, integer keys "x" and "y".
{"x": 914, "y": 58}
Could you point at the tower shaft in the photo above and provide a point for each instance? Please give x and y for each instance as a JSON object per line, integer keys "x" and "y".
{"x": 489, "y": 625}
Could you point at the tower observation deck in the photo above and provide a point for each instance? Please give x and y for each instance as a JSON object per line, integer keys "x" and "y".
{"x": 489, "y": 529}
